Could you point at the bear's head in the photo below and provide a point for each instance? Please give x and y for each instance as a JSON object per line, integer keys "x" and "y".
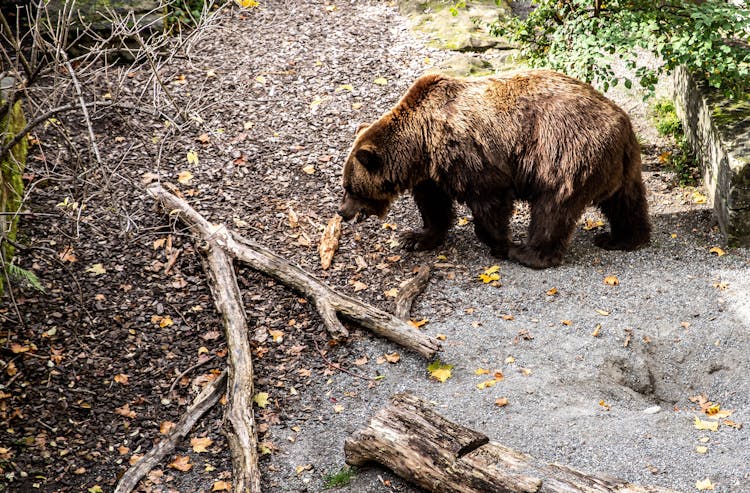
{"x": 367, "y": 189}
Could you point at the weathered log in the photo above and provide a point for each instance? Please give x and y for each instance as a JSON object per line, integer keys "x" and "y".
{"x": 202, "y": 403}
{"x": 409, "y": 290}
{"x": 329, "y": 303}
{"x": 239, "y": 422}
{"x": 423, "y": 447}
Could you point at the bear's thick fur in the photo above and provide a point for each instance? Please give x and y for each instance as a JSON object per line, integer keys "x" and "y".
{"x": 532, "y": 135}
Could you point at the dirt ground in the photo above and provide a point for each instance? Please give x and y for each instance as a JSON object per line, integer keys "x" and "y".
{"x": 126, "y": 334}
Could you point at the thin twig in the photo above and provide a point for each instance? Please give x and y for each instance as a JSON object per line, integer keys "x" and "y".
{"x": 339, "y": 368}
{"x": 84, "y": 109}
{"x": 179, "y": 377}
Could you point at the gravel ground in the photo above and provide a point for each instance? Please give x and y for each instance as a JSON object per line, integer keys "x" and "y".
{"x": 290, "y": 83}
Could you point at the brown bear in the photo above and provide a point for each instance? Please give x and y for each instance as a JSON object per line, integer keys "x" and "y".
{"x": 532, "y": 135}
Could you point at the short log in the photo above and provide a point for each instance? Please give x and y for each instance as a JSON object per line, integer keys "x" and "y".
{"x": 440, "y": 456}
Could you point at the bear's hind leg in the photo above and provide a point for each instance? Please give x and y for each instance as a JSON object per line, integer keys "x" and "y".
{"x": 627, "y": 213}
{"x": 491, "y": 219}
{"x": 436, "y": 208}
{"x": 551, "y": 227}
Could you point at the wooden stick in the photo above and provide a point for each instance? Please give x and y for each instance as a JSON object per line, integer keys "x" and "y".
{"x": 419, "y": 445}
{"x": 329, "y": 303}
{"x": 409, "y": 290}
{"x": 202, "y": 403}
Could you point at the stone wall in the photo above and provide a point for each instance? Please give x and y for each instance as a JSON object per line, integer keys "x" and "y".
{"x": 718, "y": 130}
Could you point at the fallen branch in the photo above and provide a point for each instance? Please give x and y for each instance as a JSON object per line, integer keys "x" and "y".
{"x": 329, "y": 303}
{"x": 409, "y": 290}
{"x": 202, "y": 403}
{"x": 416, "y": 443}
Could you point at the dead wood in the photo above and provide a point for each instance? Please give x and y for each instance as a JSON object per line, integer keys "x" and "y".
{"x": 202, "y": 403}
{"x": 419, "y": 445}
{"x": 329, "y": 303}
{"x": 409, "y": 290}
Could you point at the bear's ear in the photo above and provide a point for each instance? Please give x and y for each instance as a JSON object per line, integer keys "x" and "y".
{"x": 360, "y": 128}
{"x": 368, "y": 158}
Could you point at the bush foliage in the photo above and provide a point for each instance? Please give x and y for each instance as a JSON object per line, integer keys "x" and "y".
{"x": 581, "y": 38}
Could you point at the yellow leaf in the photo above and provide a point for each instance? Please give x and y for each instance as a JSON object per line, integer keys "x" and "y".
{"x": 345, "y": 87}
{"x": 121, "y": 378}
{"x": 718, "y": 251}
{"x": 391, "y": 293}
{"x": 597, "y": 330}
{"x": 427, "y": 60}
{"x": 440, "y": 371}
{"x": 338, "y": 408}
{"x": 552, "y": 292}
{"x": 192, "y": 158}
{"x": 184, "y": 177}
{"x": 166, "y": 322}
{"x": 590, "y": 224}
{"x": 701, "y": 449}
{"x": 417, "y": 323}
{"x": 261, "y": 399}
{"x": 611, "y": 281}
{"x": 463, "y": 221}
{"x": 277, "y": 335}
{"x": 381, "y": 81}
{"x": 97, "y": 269}
{"x": 699, "y": 198}
{"x": 566, "y": 322}
{"x": 200, "y": 445}
{"x": 481, "y": 371}
{"x": 441, "y": 337}
{"x": 246, "y": 4}
{"x": 490, "y": 274}
{"x": 700, "y": 424}
{"x": 603, "y": 313}
{"x": 704, "y": 485}
{"x": 501, "y": 401}
{"x": 181, "y": 463}
{"x": 260, "y": 79}
{"x": 303, "y": 468}
{"x": 486, "y": 384}
{"x": 309, "y": 169}
{"x": 510, "y": 360}
{"x": 125, "y": 411}
{"x": 605, "y": 405}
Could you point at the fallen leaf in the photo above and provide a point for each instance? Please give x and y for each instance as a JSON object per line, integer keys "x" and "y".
{"x": 392, "y": 357}
{"x": 441, "y": 337}
{"x": 391, "y": 293}
{"x": 329, "y": 242}
{"x": 490, "y": 274}
{"x": 700, "y": 424}
{"x": 344, "y": 87}
{"x": 486, "y": 384}
{"x": 718, "y": 251}
{"x": 501, "y": 401}
{"x": 704, "y": 485}
{"x": 566, "y": 322}
{"x": 481, "y": 371}
{"x": 223, "y": 485}
{"x": 603, "y": 313}
{"x": 261, "y": 399}
{"x": 67, "y": 255}
{"x": 166, "y": 322}
{"x": 699, "y": 198}
{"x": 463, "y": 221}
{"x": 591, "y": 224}
{"x": 359, "y": 286}
{"x": 381, "y": 81}
{"x": 701, "y": 449}
{"x": 309, "y": 169}
{"x": 605, "y": 405}
{"x": 552, "y": 292}
{"x": 97, "y": 269}
{"x": 338, "y": 408}
{"x": 200, "y": 445}
{"x": 181, "y": 463}
{"x": 510, "y": 360}
{"x": 277, "y": 335}
{"x": 125, "y": 411}
{"x": 121, "y": 378}
{"x": 417, "y": 323}
{"x": 597, "y": 330}
{"x": 192, "y": 158}
{"x": 439, "y": 371}
{"x": 611, "y": 281}
{"x": 303, "y": 468}
{"x": 203, "y": 138}
{"x": 165, "y": 427}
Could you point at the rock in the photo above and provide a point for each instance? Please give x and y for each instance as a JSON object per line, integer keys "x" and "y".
{"x": 718, "y": 130}
{"x": 466, "y": 31}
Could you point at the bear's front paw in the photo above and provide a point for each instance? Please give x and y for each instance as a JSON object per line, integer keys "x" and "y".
{"x": 534, "y": 258}
{"x": 420, "y": 240}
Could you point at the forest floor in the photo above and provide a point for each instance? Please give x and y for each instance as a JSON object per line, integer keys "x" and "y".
{"x": 126, "y": 333}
